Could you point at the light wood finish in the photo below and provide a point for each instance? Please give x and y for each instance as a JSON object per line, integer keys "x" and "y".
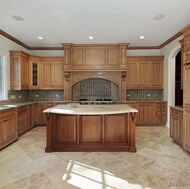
{"x": 71, "y": 78}
{"x": 52, "y": 73}
{"x": 176, "y": 125}
{"x": 8, "y": 127}
{"x": 19, "y": 70}
{"x": 186, "y": 108}
{"x": 30, "y": 115}
{"x": 95, "y": 61}
{"x": 149, "y": 113}
{"x": 145, "y": 72}
{"x": 35, "y": 73}
{"x": 74, "y": 133}
{"x": 186, "y": 89}
{"x": 95, "y": 57}
{"x": 161, "y": 113}
{"x": 22, "y": 119}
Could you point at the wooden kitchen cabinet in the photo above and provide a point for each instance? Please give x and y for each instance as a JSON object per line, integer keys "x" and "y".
{"x": 176, "y": 125}
{"x": 52, "y": 73}
{"x": 146, "y": 113}
{"x": 35, "y": 74}
{"x": 145, "y": 72}
{"x": 8, "y": 127}
{"x": 22, "y": 121}
{"x": 19, "y": 70}
{"x": 30, "y": 114}
{"x": 161, "y": 113}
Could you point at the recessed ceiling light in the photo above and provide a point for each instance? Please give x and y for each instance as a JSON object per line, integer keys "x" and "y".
{"x": 7, "y": 27}
{"x": 18, "y": 18}
{"x": 142, "y": 37}
{"x": 40, "y": 37}
{"x": 159, "y": 17}
{"x": 91, "y": 37}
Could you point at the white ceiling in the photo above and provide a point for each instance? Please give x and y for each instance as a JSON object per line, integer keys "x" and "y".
{"x": 108, "y": 21}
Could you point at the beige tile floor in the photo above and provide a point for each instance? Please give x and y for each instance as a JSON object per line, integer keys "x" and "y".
{"x": 158, "y": 163}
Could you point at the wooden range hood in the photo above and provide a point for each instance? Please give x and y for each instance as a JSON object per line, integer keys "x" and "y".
{"x": 107, "y": 61}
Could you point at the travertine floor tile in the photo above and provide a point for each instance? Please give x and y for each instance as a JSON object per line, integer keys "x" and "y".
{"x": 158, "y": 163}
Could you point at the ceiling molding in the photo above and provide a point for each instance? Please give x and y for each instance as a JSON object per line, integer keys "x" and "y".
{"x": 61, "y": 48}
{"x": 14, "y": 39}
{"x": 171, "y": 39}
{"x": 142, "y": 47}
{"x": 46, "y": 48}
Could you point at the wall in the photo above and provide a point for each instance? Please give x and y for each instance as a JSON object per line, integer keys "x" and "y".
{"x": 166, "y": 51}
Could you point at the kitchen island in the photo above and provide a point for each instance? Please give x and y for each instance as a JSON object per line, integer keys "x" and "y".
{"x": 75, "y": 127}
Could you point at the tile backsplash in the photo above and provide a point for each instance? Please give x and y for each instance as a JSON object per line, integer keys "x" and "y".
{"x": 145, "y": 95}
{"x": 18, "y": 96}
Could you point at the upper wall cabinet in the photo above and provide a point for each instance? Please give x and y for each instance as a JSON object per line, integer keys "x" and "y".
{"x": 34, "y": 73}
{"x": 52, "y": 73}
{"x": 186, "y": 41}
{"x": 19, "y": 70}
{"x": 95, "y": 57}
{"x": 145, "y": 72}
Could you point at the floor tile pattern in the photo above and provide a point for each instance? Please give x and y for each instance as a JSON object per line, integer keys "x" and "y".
{"x": 158, "y": 164}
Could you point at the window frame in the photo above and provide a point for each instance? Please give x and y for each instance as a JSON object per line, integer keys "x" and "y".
{"x": 4, "y": 92}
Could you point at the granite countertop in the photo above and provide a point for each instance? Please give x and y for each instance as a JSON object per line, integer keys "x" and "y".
{"x": 177, "y": 107}
{"x": 76, "y": 109}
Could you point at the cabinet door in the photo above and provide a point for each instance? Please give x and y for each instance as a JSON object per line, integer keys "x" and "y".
{"x": 2, "y": 131}
{"x": 42, "y": 117}
{"x": 34, "y": 74}
{"x": 156, "y": 75}
{"x": 15, "y": 69}
{"x": 22, "y": 121}
{"x": 176, "y": 128}
{"x": 24, "y": 73}
{"x": 8, "y": 132}
{"x": 161, "y": 113}
{"x": 146, "y": 113}
{"x": 57, "y": 76}
{"x": 132, "y": 76}
{"x": 186, "y": 108}
{"x": 52, "y": 76}
{"x": 143, "y": 74}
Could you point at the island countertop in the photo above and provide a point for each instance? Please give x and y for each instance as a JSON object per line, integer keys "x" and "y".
{"x": 76, "y": 109}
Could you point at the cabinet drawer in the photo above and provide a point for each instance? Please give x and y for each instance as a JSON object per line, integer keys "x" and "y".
{"x": 178, "y": 113}
{"x": 22, "y": 109}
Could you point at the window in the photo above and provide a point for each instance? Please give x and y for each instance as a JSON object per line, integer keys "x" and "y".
{"x": 3, "y": 79}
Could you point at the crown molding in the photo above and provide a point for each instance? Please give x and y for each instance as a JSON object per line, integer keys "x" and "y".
{"x": 61, "y": 48}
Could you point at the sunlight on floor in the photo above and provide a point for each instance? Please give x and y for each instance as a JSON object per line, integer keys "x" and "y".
{"x": 82, "y": 176}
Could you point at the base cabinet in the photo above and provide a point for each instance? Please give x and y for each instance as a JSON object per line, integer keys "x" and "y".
{"x": 150, "y": 113}
{"x": 22, "y": 121}
{"x": 176, "y": 125}
{"x": 8, "y": 127}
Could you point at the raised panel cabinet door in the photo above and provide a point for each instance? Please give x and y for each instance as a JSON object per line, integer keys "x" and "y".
{"x": 146, "y": 113}
{"x": 24, "y": 73}
{"x": 9, "y": 124}
{"x": 144, "y": 74}
{"x": 156, "y": 75}
{"x": 90, "y": 129}
{"x": 42, "y": 116}
{"x": 132, "y": 75}
{"x": 46, "y": 75}
{"x": 186, "y": 108}
{"x": 116, "y": 129}
{"x": 22, "y": 121}
{"x": 65, "y": 129}
{"x": 15, "y": 70}
{"x": 2, "y": 132}
{"x": 57, "y": 75}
